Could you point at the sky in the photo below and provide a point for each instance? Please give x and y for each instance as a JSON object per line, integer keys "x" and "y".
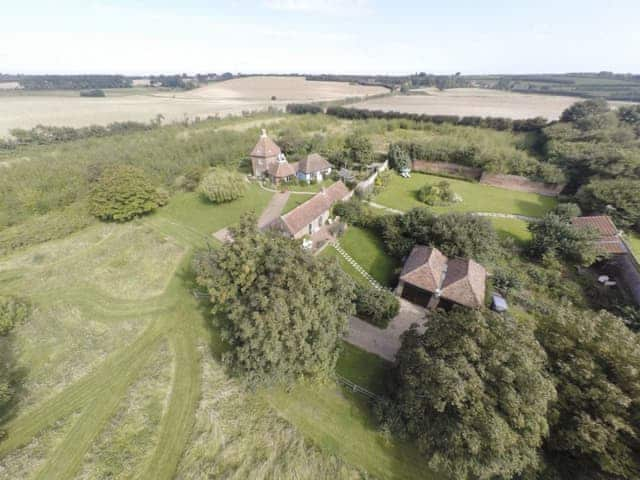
{"x": 141, "y": 37}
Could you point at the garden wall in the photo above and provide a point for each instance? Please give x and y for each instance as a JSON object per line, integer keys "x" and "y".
{"x": 522, "y": 184}
{"x": 365, "y": 185}
{"x": 444, "y": 168}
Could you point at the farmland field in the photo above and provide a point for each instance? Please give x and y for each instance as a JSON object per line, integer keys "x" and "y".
{"x": 27, "y": 109}
{"x": 474, "y": 102}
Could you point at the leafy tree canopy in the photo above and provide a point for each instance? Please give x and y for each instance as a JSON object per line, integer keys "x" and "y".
{"x": 555, "y": 235}
{"x": 595, "y": 423}
{"x": 473, "y": 391}
{"x": 436, "y": 194}
{"x": 281, "y": 310}
{"x": 456, "y": 234}
{"x": 619, "y": 198}
{"x": 123, "y": 192}
{"x": 376, "y": 306}
{"x": 399, "y": 157}
{"x": 358, "y": 149}
{"x": 220, "y": 185}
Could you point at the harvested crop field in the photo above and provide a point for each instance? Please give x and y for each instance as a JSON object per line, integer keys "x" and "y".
{"x": 474, "y": 102}
{"x": 223, "y": 98}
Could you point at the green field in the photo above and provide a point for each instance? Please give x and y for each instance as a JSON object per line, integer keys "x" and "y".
{"x": 512, "y": 227}
{"x": 401, "y": 194}
{"x": 121, "y": 377}
{"x": 367, "y": 249}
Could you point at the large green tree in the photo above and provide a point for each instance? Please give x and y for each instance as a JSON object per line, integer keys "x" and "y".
{"x": 358, "y": 150}
{"x": 456, "y": 234}
{"x": 619, "y": 198}
{"x": 281, "y": 310}
{"x": 123, "y": 192}
{"x": 554, "y": 234}
{"x": 473, "y": 391}
{"x": 595, "y": 423}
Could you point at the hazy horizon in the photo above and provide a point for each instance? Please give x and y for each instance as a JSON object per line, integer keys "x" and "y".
{"x": 318, "y": 36}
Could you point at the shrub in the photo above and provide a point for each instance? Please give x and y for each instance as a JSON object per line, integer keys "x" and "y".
{"x": 376, "y": 306}
{"x": 12, "y": 312}
{"x": 122, "y": 193}
{"x": 302, "y": 108}
{"x": 354, "y": 212}
{"x": 506, "y": 281}
{"x": 221, "y": 185}
{"x": 438, "y": 194}
{"x": 619, "y": 198}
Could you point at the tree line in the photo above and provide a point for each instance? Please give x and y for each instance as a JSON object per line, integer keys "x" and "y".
{"x": 69, "y": 82}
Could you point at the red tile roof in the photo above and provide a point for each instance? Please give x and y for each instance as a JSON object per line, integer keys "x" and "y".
{"x": 609, "y": 241}
{"x": 304, "y": 214}
{"x": 424, "y": 268}
{"x": 265, "y": 147}
{"x": 460, "y": 281}
{"x": 464, "y": 283}
{"x": 281, "y": 169}
{"x": 313, "y": 163}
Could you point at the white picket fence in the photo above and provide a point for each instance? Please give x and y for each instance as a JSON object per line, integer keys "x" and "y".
{"x": 374, "y": 283}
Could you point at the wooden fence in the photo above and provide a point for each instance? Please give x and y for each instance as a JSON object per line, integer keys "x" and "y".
{"x": 358, "y": 389}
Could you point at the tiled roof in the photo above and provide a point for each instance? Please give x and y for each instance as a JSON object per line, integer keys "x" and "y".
{"x": 464, "y": 283}
{"x": 609, "y": 241}
{"x": 458, "y": 280}
{"x": 602, "y": 223}
{"x": 313, "y": 163}
{"x": 265, "y": 147}
{"x": 424, "y": 268}
{"x": 304, "y": 214}
{"x": 281, "y": 169}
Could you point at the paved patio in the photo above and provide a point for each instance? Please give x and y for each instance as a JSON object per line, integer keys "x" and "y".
{"x": 386, "y": 343}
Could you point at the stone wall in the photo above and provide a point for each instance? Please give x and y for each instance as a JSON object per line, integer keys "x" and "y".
{"x": 521, "y": 184}
{"x": 449, "y": 169}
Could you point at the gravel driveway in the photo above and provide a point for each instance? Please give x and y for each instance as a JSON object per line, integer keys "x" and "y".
{"x": 385, "y": 343}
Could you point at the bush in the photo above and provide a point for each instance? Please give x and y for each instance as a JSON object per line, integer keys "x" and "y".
{"x": 12, "y": 312}
{"x": 506, "y": 281}
{"x": 376, "y": 306}
{"x": 619, "y": 198}
{"x": 122, "y": 193}
{"x": 302, "y": 108}
{"x": 438, "y": 194}
{"x": 221, "y": 185}
{"x": 354, "y": 212}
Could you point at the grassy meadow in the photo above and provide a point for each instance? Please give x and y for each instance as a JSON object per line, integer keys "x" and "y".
{"x": 121, "y": 377}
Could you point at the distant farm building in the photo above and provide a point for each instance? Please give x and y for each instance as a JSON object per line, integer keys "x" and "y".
{"x": 432, "y": 280}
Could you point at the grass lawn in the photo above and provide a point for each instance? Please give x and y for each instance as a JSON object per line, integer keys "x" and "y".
{"x": 363, "y": 368}
{"x": 293, "y": 201}
{"x": 346, "y": 266}
{"x": 401, "y": 194}
{"x": 633, "y": 240}
{"x": 512, "y": 227}
{"x": 367, "y": 249}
